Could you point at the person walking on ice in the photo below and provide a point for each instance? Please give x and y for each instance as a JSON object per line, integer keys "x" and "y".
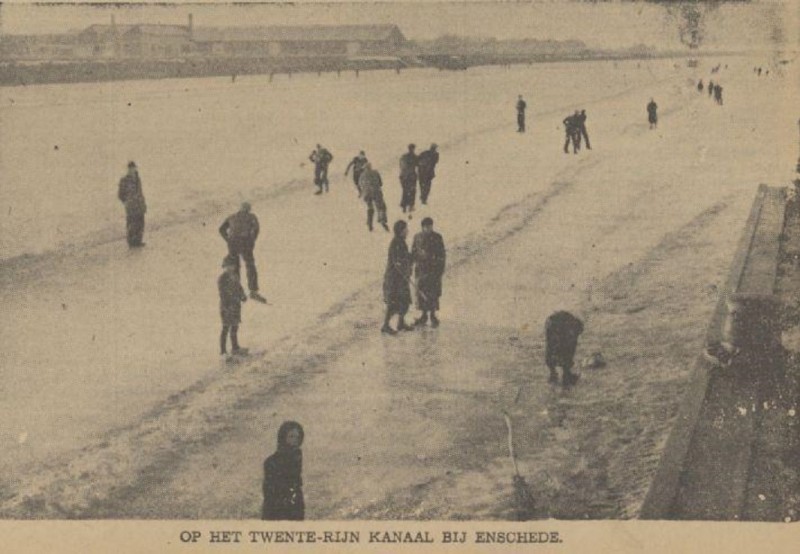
{"x": 231, "y": 296}
{"x": 131, "y": 195}
{"x": 283, "y": 477}
{"x": 240, "y": 231}
{"x": 371, "y": 186}
{"x": 321, "y": 159}
{"x": 562, "y": 330}
{"x": 581, "y": 121}
{"x": 572, "y": 132}
{"x": 652, "y": 113}
{"x": 428, "y": 255}
{"x": 427, "y": 171}
{"x": 357, "y": 164}
{"x": 521, "y": 106}
{"x": 396, "y": 280}
{"x": 408, "y": 178}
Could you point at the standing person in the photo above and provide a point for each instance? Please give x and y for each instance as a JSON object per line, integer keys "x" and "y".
{"x": 283, "y": 477}
{"x": 358, "y": 163}
{"x": 427, "y": 171}
{"x": 521, "y": 105}
{"x": 396, "y": 280}
{"x": 371, "y": 186}
{"x": 718, "y": 94}
{"x": 562, "y": 330}
{"x": 570, "y": 128}
{"x": 710, "y": 88}
{"x": 652, "y": 113}
{"x": 700, "y": 86}
{"x": 131, "y": 195}
{"x": 408, "y": 178}
{"x": 581, "y": 120}
{"x": 240, "y": 231}
{"x": 322, "y": 159}
{"x": 428, "y": 255}
{"x": 231, "y": 296}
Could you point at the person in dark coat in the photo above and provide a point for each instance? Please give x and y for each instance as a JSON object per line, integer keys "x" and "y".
{"x": 240, "y": 231}
{"x": 581, "y": 121}
{"x": 322, "y": 159}
{"x": 700, "y": 86}
{"x": 521, "y": 105}
{"x": 408, "y": 179}
{"x": 562, "y": 330}
{"x": 428, "y": 255}
{"x": 710, "y": 88}
{"x": 718, "y": 94}
{"x": 357, "y": 164}
{"x": 396, "y": 280}
{"x": 572, "y": 132}
{"x": 283, "y": 480}
{"x": 131, "y": 195}
{"x": 427, "y": 171}
{"x": 652, "y": 113}
{"x": 231, "y": 296}
{"x": 371, "y": 186}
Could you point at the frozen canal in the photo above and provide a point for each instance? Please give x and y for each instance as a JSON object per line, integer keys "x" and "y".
{"x": 109, "y": 357}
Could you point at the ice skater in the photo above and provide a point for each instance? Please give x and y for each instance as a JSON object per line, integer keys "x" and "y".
{"x": 710, "y": 89}
{"x": 131, "y": 195}
{"x": 562, "y": 330}
{"x": 396, "y": 280}
{"x": 652, "y": 114}
{"x": 718, "y": 94}
{"x": 581, "y": 121}
{"x": 521, "y": 105}
{"x": 283, "y": 477}
{"x": 321, "y": 158}
{"x": 408, "y": 178}
{"x": 428, "y": 256}
{"x": 572, "y": 133}
{"x": 426, "y": 164}
{"x": 240, "y": 231}
{"x": 231, "y": 296}
{"x": 357, "y": 164}
{"x": 700, "y": 86}
{"x": 370, "y": 186}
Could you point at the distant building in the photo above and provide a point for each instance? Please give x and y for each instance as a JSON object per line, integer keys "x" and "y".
{"x": 135, "y": 41}
{"x": 310, "y": 40}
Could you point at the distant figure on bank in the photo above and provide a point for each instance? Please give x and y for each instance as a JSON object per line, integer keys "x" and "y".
{"x": 572, "y": 132}
{"x": 581, "y": 120}
{"x": 426, "y": 163}
{"x": 521, "y": 105}
{"x": 240, "y": 231}
{"x": 562, "y": 330}
{"x": 396, "y": 280}
{"x": 428, "y": 256}
{"x": 130, "y": 193}
{"x": 408, "y": 179}
{"x": 322, "y": 159}
{"x": 231, "y": 296}
{"x": 370, "y": 186}
{"x": 358, "y": 163}
{"x": 710, "y": 89}
{"x": 283, "y": 479}
{"x": 652, "y": 113}
{"x": 718, "y": 94}
{"x": 700, "y": 86}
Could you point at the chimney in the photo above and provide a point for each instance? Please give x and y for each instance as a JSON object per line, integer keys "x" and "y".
{"x": 191, "y": 26}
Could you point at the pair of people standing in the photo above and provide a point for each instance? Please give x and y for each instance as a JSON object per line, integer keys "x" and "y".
{"x": 370, "y": 188}
{"x": 427, "y": 257}
{"x": 415, "y": 168}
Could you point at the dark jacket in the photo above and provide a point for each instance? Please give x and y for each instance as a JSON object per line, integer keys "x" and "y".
{"x": 240, "y": 227}
{"x": 130, "y": 193}
{"x": 408, "y": 166}
{"x": 521, "y": 105}
{"x": 231, "y": 296}
{"x": 427, "y": 164}
{"x": 321, "y": 157}
{"x": 357, "y": 164}
{"x": 652, "y": 108}
{"x": 561, "y": 330}
{"x": 370, "y": 184}
{"x": 396, "y": 291}
{"x": 283, "y": 481}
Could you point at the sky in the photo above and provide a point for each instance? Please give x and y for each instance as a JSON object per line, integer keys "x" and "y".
{"x": 601, "y": 25}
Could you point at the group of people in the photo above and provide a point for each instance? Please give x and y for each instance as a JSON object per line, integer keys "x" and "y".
{"x": 575, "y": 130}
{"x": 714, "y": 90}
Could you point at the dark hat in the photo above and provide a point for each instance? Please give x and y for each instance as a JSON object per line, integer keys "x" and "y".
{"x": 131, "y": 164}
{"x": 412, "y": 146}
{"x": 427, "y": 221}
{"x": 399, "y": 225}
{"x": 283, "y": 432}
